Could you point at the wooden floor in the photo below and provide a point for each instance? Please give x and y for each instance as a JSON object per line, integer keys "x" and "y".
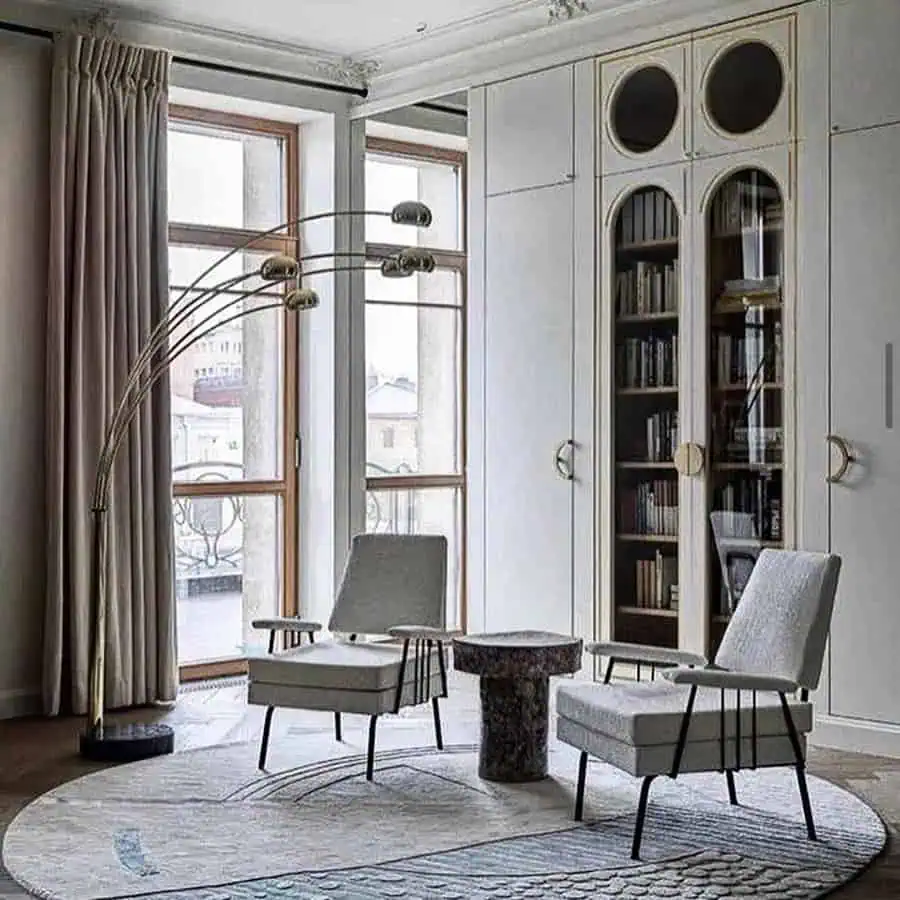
{"x": 38, "y": 754}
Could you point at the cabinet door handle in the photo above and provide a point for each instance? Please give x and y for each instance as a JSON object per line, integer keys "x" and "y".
{"x": 562, "y": 462}
{"x": 847, "y": 458}
{"x": 689, "y": 459}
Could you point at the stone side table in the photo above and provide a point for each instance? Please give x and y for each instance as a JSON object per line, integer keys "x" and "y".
{"x": 515, "y": 669}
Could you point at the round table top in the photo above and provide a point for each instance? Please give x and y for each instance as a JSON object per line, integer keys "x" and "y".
{"x": 517, "y": 654}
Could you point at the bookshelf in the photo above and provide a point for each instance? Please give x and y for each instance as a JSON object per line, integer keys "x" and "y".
{"x": 646, "y": 312}
{"x": 746, "y": 428}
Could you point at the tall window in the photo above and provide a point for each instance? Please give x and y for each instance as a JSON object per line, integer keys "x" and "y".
{"x": 415, "y": 344}
{"x": 234, "y": 393}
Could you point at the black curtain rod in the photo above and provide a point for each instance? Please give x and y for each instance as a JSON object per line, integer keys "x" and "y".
{"x": 14, "y": 28}
{"x": 439, "y": 107}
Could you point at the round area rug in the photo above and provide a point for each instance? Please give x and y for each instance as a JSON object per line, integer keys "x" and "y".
{"x": 207, "y": 825}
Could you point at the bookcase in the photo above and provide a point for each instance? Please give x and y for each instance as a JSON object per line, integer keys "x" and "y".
{"x": 646, "y": 295}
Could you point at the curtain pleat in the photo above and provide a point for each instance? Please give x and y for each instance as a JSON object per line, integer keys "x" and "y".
{"x": 108, "y": 287}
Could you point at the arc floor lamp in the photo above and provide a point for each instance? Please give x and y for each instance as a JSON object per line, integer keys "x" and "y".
{"x": 191, "y": 317}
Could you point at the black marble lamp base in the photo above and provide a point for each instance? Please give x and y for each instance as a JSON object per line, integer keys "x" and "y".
{"x": 126, "y": 743}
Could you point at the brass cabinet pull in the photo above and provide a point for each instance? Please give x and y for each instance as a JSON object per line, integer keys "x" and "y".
{"x": 689, "y": 459}
{"x": 847, "y": 458}
{"x": 563, "y": 463}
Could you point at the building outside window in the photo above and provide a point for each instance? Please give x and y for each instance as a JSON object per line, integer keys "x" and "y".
{"x": 415, "y": 345}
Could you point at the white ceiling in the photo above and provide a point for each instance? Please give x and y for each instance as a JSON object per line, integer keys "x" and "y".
{"x": 357, "y": 28}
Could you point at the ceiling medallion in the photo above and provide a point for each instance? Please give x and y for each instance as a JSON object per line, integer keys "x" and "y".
{"x": 350, "y": 71}
{"x": 562, "y": 10}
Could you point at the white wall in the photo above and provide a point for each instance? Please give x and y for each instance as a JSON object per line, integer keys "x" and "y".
{"x": 24, "y": 101}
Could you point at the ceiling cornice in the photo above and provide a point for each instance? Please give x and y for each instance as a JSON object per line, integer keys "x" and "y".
{"x": 608, "y": 27}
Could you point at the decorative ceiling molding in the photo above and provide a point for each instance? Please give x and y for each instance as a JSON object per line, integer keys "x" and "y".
{"x": 347, "y": 70}
{"x": 563, "y": 10}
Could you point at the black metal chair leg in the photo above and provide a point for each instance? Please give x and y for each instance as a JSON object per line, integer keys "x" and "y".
{"x": 804, "y": 799}
{"x": 579, "y": 793}
{"x": 264, "y": 747}
{"x": 438, "y": 735}
{"x": 337, "y": 727}
{"x": 732, "y": 793}
{"x": 641, "y": 814}
{"x": 370, "y": 758}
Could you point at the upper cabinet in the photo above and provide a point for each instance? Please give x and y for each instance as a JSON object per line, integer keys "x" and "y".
{"x": 744, "y": 96}
{"x": 644, "y": 120}
{"x": 519, "y": 154}
{"x": 865, "y": 64}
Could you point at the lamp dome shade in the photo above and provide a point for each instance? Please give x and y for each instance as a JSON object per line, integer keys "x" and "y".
{"x": 279, "y": 268}
{"x": 299, "y": 299}
{"x": 415, "y": 259}
{"x": 411, "y": 212}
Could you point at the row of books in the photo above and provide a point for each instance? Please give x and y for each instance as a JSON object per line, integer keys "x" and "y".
{"x": 647, "y": 361}
{"x": 650, "y": 507}
{"x": 746, "y": 441}
{"x": 749, "y": 358}
{"x": 648, "y": 287}
{"x": 758, "y": 497}
{"x": 656, "y": 582}
{"x": 647, "y": 215}
{"x": 747, "y": 203}
{"x": 661, "y": 437}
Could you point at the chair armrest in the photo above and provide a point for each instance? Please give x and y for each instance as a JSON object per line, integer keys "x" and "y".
{"x": 645, "y": 653}
{"x": 286, "y": 623}
{"x": 739, "y": 681}
{"x": 421, "y": 633}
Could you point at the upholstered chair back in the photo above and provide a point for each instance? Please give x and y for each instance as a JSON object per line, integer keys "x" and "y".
{"x": 392, "y": 580}
{"x": 781, "y": 623}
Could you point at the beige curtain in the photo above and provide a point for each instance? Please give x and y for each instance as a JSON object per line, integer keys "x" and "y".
{"x": 108, "y": 286}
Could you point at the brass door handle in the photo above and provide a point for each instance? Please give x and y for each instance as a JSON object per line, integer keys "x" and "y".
{"x": 689, "y": 459}
{"x": 847, "y": 457}
{"x": 562, "y": 462}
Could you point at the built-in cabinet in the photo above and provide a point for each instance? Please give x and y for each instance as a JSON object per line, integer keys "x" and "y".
{"x": 736, "y": 238}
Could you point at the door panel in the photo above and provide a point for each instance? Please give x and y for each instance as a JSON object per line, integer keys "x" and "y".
{"x": 528, "y": 409}
{"x": 865, "y": 353}
{"x": 520, "y": 155}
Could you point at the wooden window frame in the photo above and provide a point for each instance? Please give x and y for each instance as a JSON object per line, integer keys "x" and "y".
{"x": 285, "y": 488}
{"x": 453, "y": 260}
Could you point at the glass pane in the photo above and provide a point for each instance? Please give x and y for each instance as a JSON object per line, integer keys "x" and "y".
{"x": 646, "y": 314}
{"x": 225, "y": 178}
{"x": 744, "y": 87}
{"x": 391, "y": 180}
{"x": 227, "y": 394}
{"x": 746, "y": 359}
{"x": 441, "y": 286}
{"x": 413, "y": 410}
{"x": 645, "y": 109}
{"x": 423, "y": 511}
{"x": 187, "y": 264}
{"x": 228, "y": 553}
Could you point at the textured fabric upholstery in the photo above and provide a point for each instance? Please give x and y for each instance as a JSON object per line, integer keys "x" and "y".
{"x": 392, "y": 580}
{"x": 782, "y": 622}
{"x": 650, "y": 713}
{"x": 338, "y": 665}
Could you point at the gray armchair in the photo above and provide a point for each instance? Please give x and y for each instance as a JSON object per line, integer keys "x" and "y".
{"x": 693, "y": 719}
{"x": 393, "y": 589}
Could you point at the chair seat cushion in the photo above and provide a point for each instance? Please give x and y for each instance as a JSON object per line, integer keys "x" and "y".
{"x": 338, "y": 665}
{"x": 645, "y": 714}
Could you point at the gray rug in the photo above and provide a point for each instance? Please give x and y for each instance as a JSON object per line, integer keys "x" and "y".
{"x": 206, "y": 825}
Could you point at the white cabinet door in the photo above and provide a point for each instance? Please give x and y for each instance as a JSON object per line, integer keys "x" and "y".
{"x": 645, "y": 109}
{"x": 529, "y": 131}
{"x": 865, "y": 63}
{"x": 744, "y": 88}
{"x": 865, "y": 358}
{"x": 528, "y": 409}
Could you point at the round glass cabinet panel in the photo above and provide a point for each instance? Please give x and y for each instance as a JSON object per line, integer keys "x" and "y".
{"x": 745, "y": 228}
{"x": 644, "y": 109}
{"x": 645, "y": 316}
{"x": 744, "y": 87}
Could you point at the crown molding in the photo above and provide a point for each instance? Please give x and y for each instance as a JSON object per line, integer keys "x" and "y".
{"x": 608, "y": 27}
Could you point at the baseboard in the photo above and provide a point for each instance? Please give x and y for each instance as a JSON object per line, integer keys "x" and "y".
{"x": 20, "y": 702}
{"x": 856, "y": 735}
